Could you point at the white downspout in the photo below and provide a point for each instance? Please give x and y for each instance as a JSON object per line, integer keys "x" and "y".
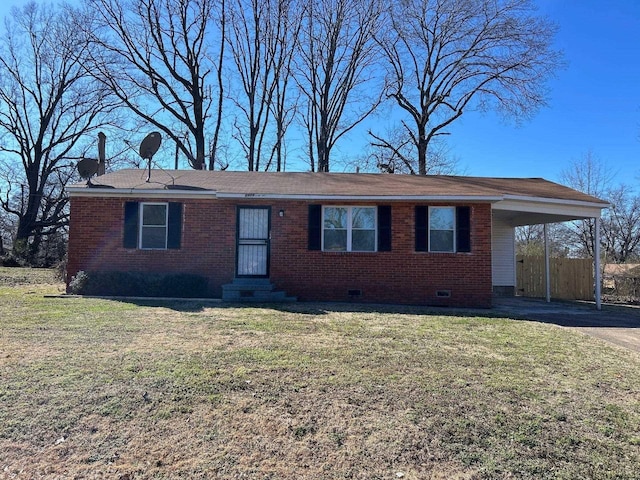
{"x": 596, "y": 261}
{"x": 547, "y": 270}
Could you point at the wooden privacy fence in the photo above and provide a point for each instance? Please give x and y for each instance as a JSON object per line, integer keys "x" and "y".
{"x": 571, "y": 278}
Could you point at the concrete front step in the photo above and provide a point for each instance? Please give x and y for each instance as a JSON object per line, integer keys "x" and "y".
{"x": 253, "y": 290}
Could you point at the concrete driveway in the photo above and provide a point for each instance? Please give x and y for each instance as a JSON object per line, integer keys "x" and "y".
{"x": 616, "y": 324}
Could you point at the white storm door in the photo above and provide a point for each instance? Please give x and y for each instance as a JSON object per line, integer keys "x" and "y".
{"x": 253, "y": 242}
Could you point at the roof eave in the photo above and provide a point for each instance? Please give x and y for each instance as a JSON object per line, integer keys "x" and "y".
{"x": 176, "y": 193}
{"x": 566, "y": 209}
{"x": 362, "y": 198}
{"x": 138, "y": 192}
{"x": 580, "y": 203}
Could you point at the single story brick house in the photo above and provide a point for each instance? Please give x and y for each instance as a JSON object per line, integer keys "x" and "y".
{"x": 428, "y": 240}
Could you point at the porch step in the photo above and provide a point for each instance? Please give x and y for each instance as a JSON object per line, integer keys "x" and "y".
{"x": 253, "y": 290}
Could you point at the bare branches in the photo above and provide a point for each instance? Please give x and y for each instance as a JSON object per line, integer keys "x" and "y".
{"x": 156, "y": 57}
{"x": 335, "y": 70}
{"x": 396, "y": 153}
{"x": 446, "y": 56}
{"x": 47, "y": 105}
{"x": 620, "y": 223}
{"x": 262, "y": 40}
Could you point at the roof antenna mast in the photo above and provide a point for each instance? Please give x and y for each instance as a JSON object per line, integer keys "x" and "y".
{"x": 149, "y": 147}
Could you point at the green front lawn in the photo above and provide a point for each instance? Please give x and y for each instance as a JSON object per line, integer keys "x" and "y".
{"x": 95, "y": 388}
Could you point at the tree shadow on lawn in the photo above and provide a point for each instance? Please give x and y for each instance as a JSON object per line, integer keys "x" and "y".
{"x": 305, "y": 308}
{"x": 193, "y": 305}
{"x": 561, "y": 313}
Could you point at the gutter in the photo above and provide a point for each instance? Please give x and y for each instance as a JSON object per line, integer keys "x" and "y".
{"x": 177, "y": 192}
{"x": 106, "y": 192}
{"x": 577, "y": 203}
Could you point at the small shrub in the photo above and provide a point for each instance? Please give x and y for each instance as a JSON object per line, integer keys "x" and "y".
{"x": 78, "y": 283}
{"x": 183, "y": 285}
{"x": 11, "y": 261}
{"x": 138, "y": 284}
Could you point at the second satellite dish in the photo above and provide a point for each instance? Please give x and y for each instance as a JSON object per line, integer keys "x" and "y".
{"x": 150, "y": 145}
{"x": 87, "y": 168}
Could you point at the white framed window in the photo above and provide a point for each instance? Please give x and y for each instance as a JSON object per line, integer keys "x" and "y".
{"x": 154, "y": 219}
{"x": 442, "y": 229}
{"x": 349, "y": 229}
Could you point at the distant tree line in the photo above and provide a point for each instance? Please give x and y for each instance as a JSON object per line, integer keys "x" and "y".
{"x": 619, "y": 225}
{"x": 248, "y": 84}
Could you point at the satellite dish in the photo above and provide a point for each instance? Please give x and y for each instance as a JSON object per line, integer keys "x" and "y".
{"x": 150, "y": 145}
{"x": 87, "y": 168}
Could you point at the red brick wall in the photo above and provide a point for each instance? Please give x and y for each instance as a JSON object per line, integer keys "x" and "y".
{"x": 208, "y": 248}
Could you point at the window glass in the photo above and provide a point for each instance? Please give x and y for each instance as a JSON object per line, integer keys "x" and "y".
{"x": 153, "y": 237}
{"x": 363, "y": 241}
{"x": 349, "y": 229}
{"x": 154, "y": 215}
{"x": 335, "y": 229}
{"x": 441, "y": 218}
{"x": 335, "y": 217}
{"x": 363, "y": 218}
{"x": 441, "y": 241}
{"x": 153, "y": 228}
{"x": 335, "y": 240}
{"x": 441, "y": 229}
{"x": 363, "y": 223}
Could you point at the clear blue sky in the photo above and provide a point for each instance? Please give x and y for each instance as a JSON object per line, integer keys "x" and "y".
{"x": 594, "y": 104}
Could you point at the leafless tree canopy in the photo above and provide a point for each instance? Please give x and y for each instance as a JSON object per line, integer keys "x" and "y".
{"x": 262, "y": 40}
{"x": 448, "y": 56}
{"x": 588, "y": 175}
{"x": 161, "y": 58}
{"x": 326, "y": 63}
{"x": 620, "y": 224}
{"x": 395, "y": 152}
{"x": 335, "y": 71}
{"x": 48, "y": 106}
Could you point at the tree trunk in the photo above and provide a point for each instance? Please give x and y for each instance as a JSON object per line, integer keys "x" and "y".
{"x": 422, "y": 150}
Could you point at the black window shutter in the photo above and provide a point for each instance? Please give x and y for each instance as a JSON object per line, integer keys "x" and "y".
{"x": 315, "y": 227}
{"x": 174, "y": 227}
{"x": 421, "y": 228}
{"x": 130, "y": 239}
{"x": 463, "y": 227}
{"x": 384, "y": 228}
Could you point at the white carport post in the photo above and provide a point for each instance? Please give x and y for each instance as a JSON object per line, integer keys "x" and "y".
{"x": 547, "y": 270}
{"x": 596, "y": 262}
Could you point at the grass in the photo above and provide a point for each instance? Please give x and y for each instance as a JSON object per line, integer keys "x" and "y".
{"x": 94, "y": 388}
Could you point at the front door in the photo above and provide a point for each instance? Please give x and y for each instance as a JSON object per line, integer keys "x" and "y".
{"x": 253, "y": 242}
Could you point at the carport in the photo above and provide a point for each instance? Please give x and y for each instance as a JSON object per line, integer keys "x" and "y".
{"x": 515, "y": 210}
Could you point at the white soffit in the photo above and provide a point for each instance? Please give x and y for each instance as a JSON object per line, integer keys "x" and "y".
{"x": 550, "y": 206}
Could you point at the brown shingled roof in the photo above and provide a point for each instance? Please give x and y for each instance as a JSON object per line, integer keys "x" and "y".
{"x": 335, "y": 184}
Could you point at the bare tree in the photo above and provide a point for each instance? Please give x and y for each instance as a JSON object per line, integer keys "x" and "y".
{"x": 530, "y": 240}
{"x": 283, "y": 107}
{"x": 621, "y": 225}
{"x": 262, "y": 38}
{"x": 48, "y": 106}
{"x": 335, "y": 71}
{"x": 448, "y": 56}
{"x": 158, "y": 57}
{"x": 396, "y": 153}
{"x": 589, "y": 175}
